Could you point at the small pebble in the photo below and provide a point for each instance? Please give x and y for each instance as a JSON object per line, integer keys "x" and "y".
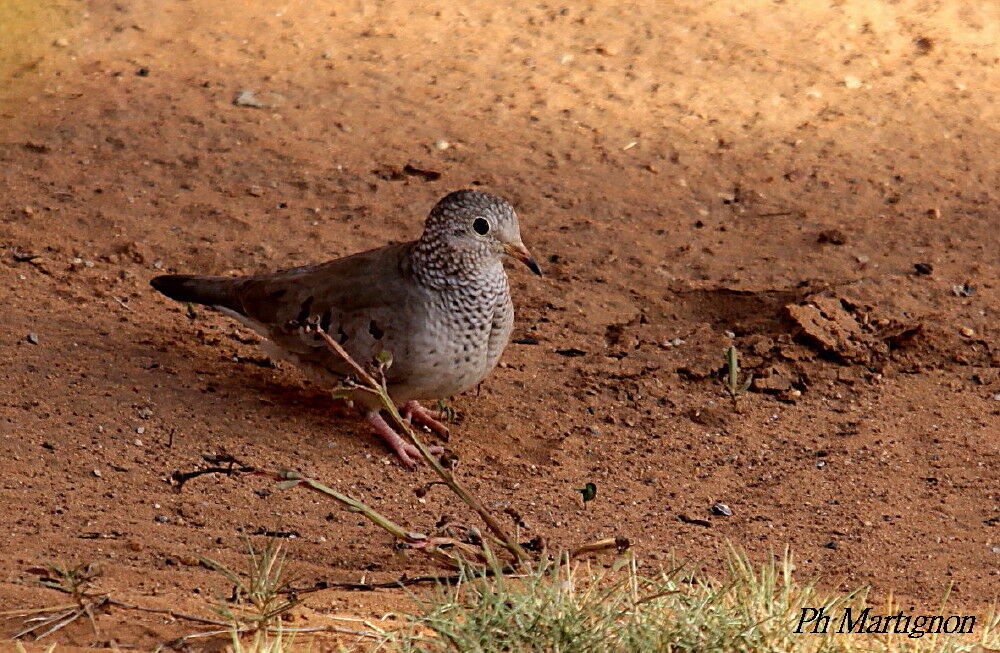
{"x": 966, "y": 331}
{"x": 722, "y": 509}
{"x": 61, "y": 43}
{"x": 97, "y": 473}
{"x": 832, "y": 236}
{"x": 140, "y": 430}
{"x": 163, "y": 519}
{"x": 441, "y": 144}
{"x": 247, "y": 98}
{"x": 963, "y": 290}
{"x": 852, "y": 82}
{"x": 145, "y": 413}
{"x": 33, "y": 338}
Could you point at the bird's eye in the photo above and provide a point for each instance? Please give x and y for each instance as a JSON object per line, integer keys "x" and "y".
{"x": 481, "y": 226}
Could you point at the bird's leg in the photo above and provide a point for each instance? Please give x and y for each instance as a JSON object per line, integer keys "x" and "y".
{"x": 429, "y": 418}
{"x": 408, "y": 454}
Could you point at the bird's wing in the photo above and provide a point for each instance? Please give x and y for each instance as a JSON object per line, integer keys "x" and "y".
{"x": 358, "y": 300}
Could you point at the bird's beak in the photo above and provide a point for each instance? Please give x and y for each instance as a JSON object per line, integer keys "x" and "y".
{"x": 521, "y": 253}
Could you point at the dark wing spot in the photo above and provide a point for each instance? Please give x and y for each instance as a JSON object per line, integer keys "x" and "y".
{"x": 304, "y": 310}
{"x": 374, "y": 329}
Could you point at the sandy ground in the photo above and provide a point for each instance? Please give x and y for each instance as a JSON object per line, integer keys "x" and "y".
{"x": 814, "y": 182}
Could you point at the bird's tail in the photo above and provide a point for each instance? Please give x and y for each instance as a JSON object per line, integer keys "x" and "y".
{"x": 197, "y": 289}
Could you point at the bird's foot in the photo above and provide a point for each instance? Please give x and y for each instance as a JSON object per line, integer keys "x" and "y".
{"x": 412, "y": 410}
{"x": 407, "y": 453}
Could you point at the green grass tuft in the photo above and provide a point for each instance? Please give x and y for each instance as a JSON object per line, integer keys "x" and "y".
{"x": 562, "y": 609}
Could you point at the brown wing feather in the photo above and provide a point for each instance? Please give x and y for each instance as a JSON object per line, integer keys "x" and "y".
{"x": 354, "y": 283}
{"x": 354, "y": 299}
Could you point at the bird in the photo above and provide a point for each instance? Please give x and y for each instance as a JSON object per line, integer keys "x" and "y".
{"x": 439, "y": 306}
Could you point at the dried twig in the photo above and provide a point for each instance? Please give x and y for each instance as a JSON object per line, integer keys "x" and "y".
{"x": 378, "y": 388}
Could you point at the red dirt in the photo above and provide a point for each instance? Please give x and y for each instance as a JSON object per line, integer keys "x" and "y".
{"x": 770, "y": 171}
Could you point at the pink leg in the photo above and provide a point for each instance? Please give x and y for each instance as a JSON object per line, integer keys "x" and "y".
{"x": 408, "y": 454}
{"x": 429, "y": 418}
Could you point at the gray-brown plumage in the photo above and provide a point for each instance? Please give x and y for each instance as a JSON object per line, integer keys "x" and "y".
{"x": 440, "y": 305}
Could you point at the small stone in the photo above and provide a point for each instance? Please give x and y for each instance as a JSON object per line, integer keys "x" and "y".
{"x": 832, "y": 236}
{"x": 145, "y": 413}
{"x": 441, "y": 144}
{"x": 923, "y": 44}
{"x": 61, "y": 43}
{"x": 140, "y": 430}
{"x": 33, "y": 338}
{"x": 255, "y": 191}
{"x": 963, "y": 290}
{"x": 97, "y": 473}
{"x": 820, "y": 464}
{"x": 722, "y": 510}
{"x": 966, "y": 331}
{"x": 996, "y": 397}
{"x": 934, "y": 213}
{"x": 852, "y": 82}
{"x": 923, "y": 268}
{"x": 163, "y": 519}
{"x": 247, "y": 98}
{"x": 137, "y": 442}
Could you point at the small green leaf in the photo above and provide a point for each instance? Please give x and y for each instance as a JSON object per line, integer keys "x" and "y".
{"x": 384, "y": 359}
{"x": 733, "y": 366}
{"x": 446, "y": 410}
{"x": 588, "y": 491}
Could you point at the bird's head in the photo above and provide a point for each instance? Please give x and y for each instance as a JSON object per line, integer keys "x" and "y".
{"x": 475, "y": 222}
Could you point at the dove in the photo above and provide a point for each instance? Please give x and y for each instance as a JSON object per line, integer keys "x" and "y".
{"x": 439, "y": 306}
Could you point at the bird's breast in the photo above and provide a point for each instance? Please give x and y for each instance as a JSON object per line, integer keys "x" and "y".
{"x": 456, "y": 344}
